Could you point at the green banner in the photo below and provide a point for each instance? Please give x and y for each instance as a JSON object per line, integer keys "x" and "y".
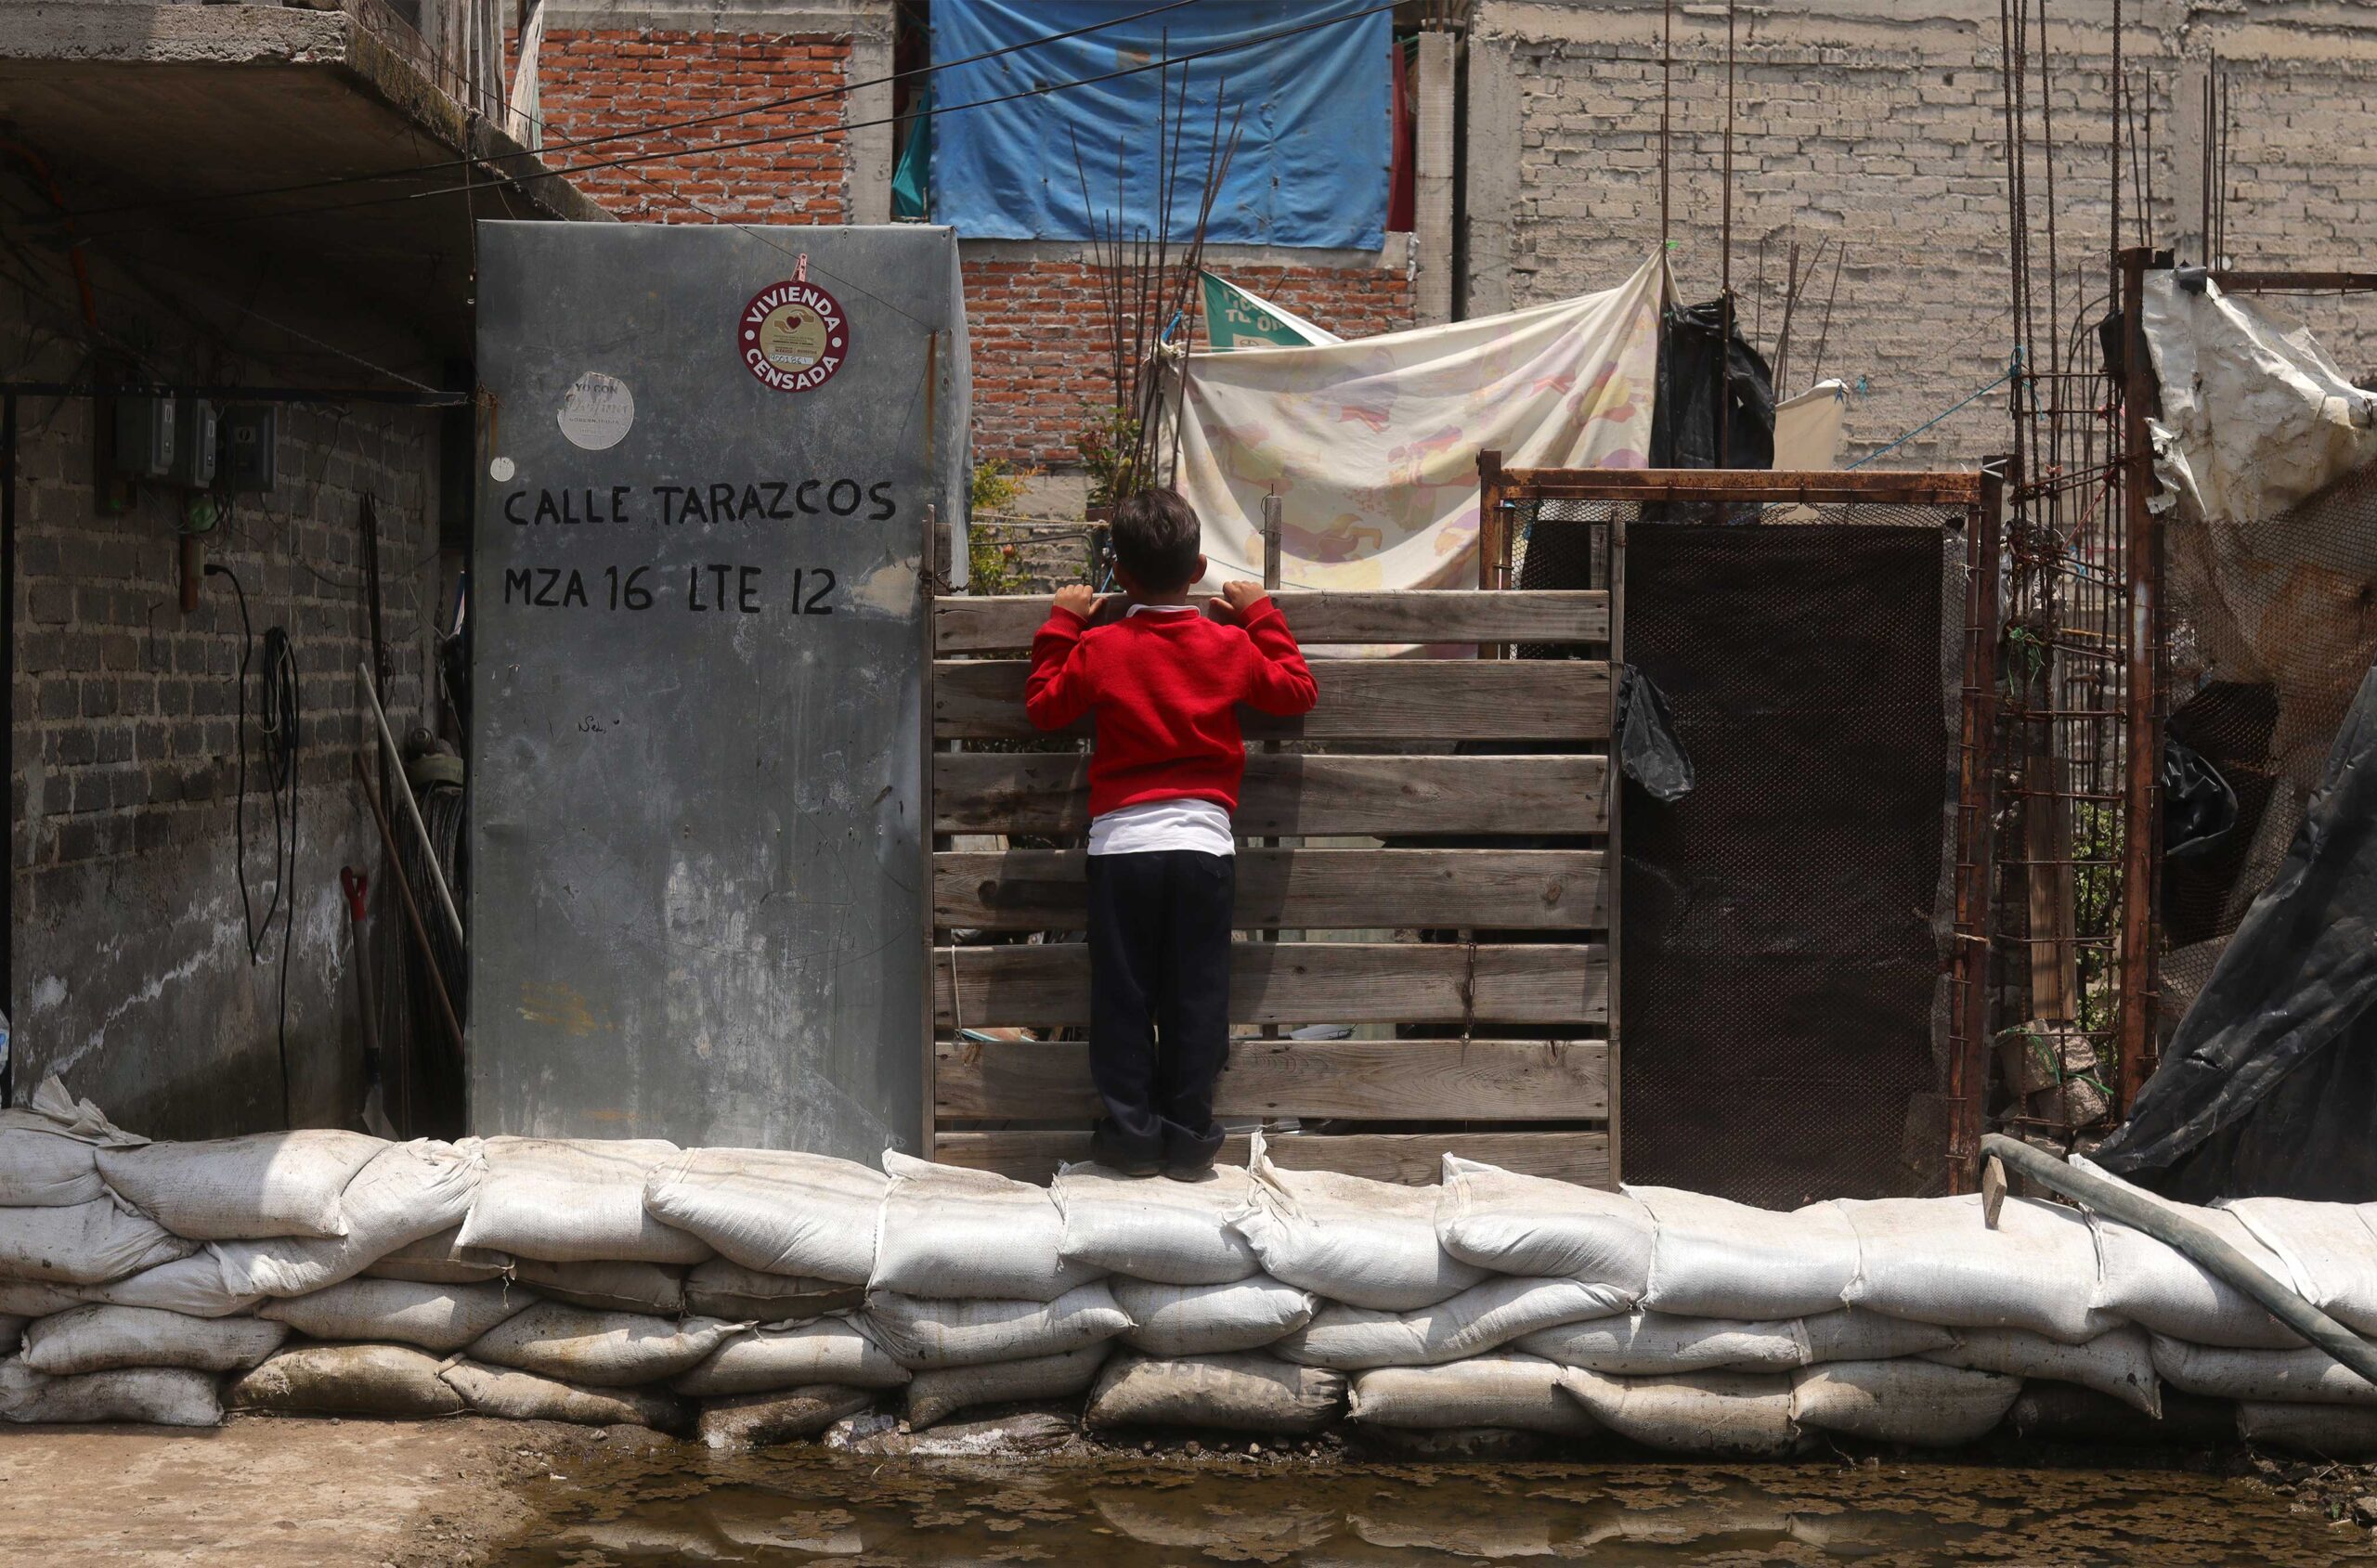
{"x": 1234, "y": 319}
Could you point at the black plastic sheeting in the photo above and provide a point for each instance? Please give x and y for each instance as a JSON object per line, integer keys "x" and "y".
{"x": 2270, "y": 1085}
{"x": 1696, "y": 373}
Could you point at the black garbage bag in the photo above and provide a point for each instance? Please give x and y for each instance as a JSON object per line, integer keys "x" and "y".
{"x": 1647, "y": 748}
{"x": 2269, "y": 1084}
{"x": 2198, "y": 809}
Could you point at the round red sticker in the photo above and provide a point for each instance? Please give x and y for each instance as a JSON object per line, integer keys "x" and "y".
{"x": 793, "y": 336}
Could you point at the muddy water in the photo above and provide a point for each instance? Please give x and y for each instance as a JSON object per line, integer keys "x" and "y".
{"x": 802, "y": 1505}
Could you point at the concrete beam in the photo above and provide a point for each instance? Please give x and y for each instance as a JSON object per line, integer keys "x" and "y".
{"x": 866, "y": 108}
{"x": 1490, "y": 176}
{"x": 1432, "y": 209}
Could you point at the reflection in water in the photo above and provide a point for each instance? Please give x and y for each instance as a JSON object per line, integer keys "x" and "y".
{"x": 683, "y": 1505}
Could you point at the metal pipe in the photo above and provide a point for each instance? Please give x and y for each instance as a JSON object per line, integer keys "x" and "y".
{"x": 2116, "y": 1199}
{"x": 412, "y": 907}
{"x": 230, "y": 394}
{"x": 412, "y": 807}
{"x": 2141, "y": 720}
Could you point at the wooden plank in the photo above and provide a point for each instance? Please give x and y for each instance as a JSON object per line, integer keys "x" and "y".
{"x": 1364, "y": 1079}
{"x": 963, "y": 624}
{"x": 1299, "y": 983}
{"x": 1411, "y": 1158}
{"x": 1045, "y": 793}
{"x": 1879, "y": 487}
{"x": 1298, "y": 889}
{"x": 1437, "y": 699}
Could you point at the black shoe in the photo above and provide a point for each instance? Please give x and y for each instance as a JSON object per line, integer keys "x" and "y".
{"x": 1189, "y": 1170}
{"x": 1102, "y": 1150}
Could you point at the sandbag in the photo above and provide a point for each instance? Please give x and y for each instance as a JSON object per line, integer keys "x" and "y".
{"x": 920, "y": 1333}
{"x": 2328, "y": 1248}
{"x": 234, "y": 1189}
{"x": 443, "y": 1260}
{"x": 191, "y": 1286}
{"x": 2319, "y": 1432}
{"x": 12, "y": 1333}
{"x": 1175, "y": 1320}
{"x": 394, "y": 1380}
{"x": 570, "y": 1200}
{"x": 33, "y": 1298}
{"x": 1918, "y": 1403}
{"x": 2119, "y": 1362}
{"x": 2158, "y": 1287}
{"x": 1364, "y": 1243}
{"x": 936, "y": 1395}
{"x": 1657, "y": 1343}
{"x": 1854, "y": 1334}
{"x": 1736, "y": 1414}
{"x": 754, "y": 1421}
{"x": 83, "y": 1243}
{"x": 1715, "y": 1258}
{"x": 1244, "y": 1393}
{"x": 949, "y": 1232}
{"x": 1171, "y": 1232}
{"x": 1534, "y": 1226}
{"x": 1933, "y": 1260}
{"x": 600, "y": 1349}
{"x": 525, "y": 1397}
{"x": 607, "y": 1287}
{"x": 774, "y": 1212}
{"x": 165, "y": 1396}
{"x": 411, "y": 1191}
{"x": 1479, "y": 1319}
{"x": 42, "y": 1170}
{"x": 2309, "y": 1376}
{"x": 100, "y": 1338}
{"x": 722, "y": 1288}
{"x": 1505, "y": 1392}
{"x": 832, "y": 1349}
{"x": 440, "y": 1317}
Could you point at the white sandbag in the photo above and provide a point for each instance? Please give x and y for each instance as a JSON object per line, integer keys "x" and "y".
{"x": 949, "y": 1232}
{"x": 100, "y": 1338}
{"x": 571, "y": 1200}
{"x": 443, "y": 1260}
{"x": 1918, "y": 1403}
{"x": 1244, "y": 1393}
{"x": 755, "y": 1420}
{"x": 2119, "y": 1362}
{"x": 83, "y": 1243}
{"x": 601, "y": 1349}
{"x": 33, "y": 1298}
{"x": 1481, "y": 1318}
{"x": 2318, "y": 1431}
{"x": 1210, "y": 1319}
{"x": 524, "y": 1397}
{"x": 935, "y": 1395}
{"x": 393, "y": 1380}
{"x": 234, "y": 1189}
{"x": 1715, "y": 1258}
{"x": 832, "y": 1349}
{"x": 1933, "y": 1260}
{"x": 921, "y": 1333}
{"x": 1365, "y": 1243}
{"x": 1734, "y": 1414}
{"x": 1854, "y": 1334}
{"x": 43, "y": 1170}
{"x": 2328, "y": 1248}
{"x": 1171, "y": 1232}
{"x": 606, "y": 1287}
{"x": 440, "y": 1317}
{"x": 2309, "y": 1376}
{"x": 1537, "y": 1228}
{"x": 1503, "y": 1392}
{"x": 1657, "y": 1343}
{"x": 165, "y": 1396}
{"x": 192, "y": 1286}
{"x": 774, "y": 1212}
{"x": 722, "y": 1288}
{"x": 411, "y": 1191}
{"x": 2162, "y": 1289}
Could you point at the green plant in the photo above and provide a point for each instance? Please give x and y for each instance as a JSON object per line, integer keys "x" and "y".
{"x": 991, "y": 561}
{"x": 1107, "y": 441}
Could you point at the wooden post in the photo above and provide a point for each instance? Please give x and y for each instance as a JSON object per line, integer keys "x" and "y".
{"x": 925, "y": 584}
{"x": 1491, "y": 526}
{"x": 1613, "y": 881}
{"x": 2142, "y": 717}
{"x": 1273, "y": 509}
{"x": 1976, "y": 810}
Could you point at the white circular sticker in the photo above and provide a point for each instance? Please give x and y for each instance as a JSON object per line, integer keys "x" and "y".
{"x": 596, "y": 411}
{"x": 501, "y": 471}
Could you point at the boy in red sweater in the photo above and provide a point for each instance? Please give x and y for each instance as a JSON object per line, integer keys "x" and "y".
{"x": 1162, "y": 684}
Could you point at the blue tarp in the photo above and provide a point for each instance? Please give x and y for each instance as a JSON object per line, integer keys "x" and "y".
{"x": 1312, "y": 163}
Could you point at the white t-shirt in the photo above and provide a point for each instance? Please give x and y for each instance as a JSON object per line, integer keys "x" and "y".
{"x": 1176, "y": 824}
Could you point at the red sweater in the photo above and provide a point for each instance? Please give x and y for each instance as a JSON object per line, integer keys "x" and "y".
{"x": 1165, "y": 687}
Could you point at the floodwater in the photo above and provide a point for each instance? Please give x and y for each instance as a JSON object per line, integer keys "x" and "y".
{"x": 802, "y": 1505}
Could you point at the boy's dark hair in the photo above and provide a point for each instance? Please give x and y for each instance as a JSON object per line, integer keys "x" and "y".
{"x": 1157, "y": 539}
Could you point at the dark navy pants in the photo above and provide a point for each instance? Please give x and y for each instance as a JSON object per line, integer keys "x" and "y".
{"x": 1159, "y": 998}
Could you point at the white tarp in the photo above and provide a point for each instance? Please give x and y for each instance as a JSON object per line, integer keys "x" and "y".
{"x": 1807, "y": 429}
{"x": 1373, "y": 444}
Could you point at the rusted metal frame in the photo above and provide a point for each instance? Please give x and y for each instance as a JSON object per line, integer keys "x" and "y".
{"x": 1493, "y": 535}
{"x": 2142, "y": 716}
{"x": 2295, "y": 282}
{"x": 1968, "y": 958}
{"x": 1740, "y": 485}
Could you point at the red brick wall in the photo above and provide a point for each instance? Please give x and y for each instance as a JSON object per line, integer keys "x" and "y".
{"x": 1039, "y": 343}
{"x": 600, "y": 83}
